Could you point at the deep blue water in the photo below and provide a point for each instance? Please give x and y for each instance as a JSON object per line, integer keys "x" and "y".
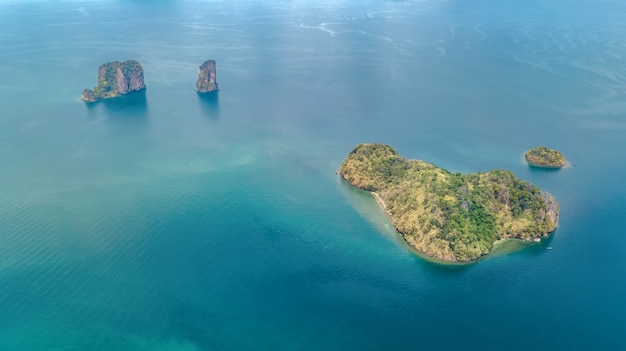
{"x": 168, "y": 222}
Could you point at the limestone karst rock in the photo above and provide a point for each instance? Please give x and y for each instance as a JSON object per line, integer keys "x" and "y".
{"x": 206, "y": 78}
{"x": 116, "y": 78}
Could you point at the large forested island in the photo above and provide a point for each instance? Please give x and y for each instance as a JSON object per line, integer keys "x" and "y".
{"x": 542, "y": 156}
{"x": 116, "y": 78}
{"x": 450, "y": 216}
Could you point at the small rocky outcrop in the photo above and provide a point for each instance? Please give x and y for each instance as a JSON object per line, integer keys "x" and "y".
{"x": 116, "y": 78}
{"x": 544, "y": 157}
{"x": 206, "y": 78}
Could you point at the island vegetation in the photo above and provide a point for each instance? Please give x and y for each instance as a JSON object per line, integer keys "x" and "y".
{"x": 542, "y": 156}
{"x": 450, "y": 216}
{"x": 116, "y": 78}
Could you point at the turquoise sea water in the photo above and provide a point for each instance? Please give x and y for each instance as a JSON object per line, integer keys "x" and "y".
{"x": 164, "y": 221}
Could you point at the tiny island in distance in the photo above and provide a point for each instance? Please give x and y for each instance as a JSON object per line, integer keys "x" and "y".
{"x": 116, "y": 78}
{"x": 120, "y": 78}
{"x": 207, "y": 81}
{"x": 448, "y": 216}
{"x": 544, "y": 157}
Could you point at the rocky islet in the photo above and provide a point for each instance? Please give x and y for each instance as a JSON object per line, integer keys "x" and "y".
{"x": 116, "y": 78}
{"x": 120, "y": 78}
{"x": 207, "y": 81}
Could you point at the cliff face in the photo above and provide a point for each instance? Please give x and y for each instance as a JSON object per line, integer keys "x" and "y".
{"x": 552, "y": 209}
{"x": 450, "y": 216}
{"x": 207, "y": 78}
{"x": 116, "y": 78}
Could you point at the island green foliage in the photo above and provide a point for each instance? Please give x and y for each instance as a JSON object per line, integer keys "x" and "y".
{"x": 541, "y": 156}
{"x": 454, "y": 217}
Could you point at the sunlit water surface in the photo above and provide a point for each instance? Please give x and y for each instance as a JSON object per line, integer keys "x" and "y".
{"x": 164, "y": 221}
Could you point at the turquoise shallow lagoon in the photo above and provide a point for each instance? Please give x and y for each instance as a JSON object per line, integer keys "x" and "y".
{"x": 163, "y": 221}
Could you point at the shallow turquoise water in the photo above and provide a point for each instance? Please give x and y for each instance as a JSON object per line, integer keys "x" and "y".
{"x": 168, "y": 222}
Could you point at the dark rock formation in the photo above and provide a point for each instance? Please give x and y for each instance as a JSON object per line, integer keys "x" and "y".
{"x": 206, "y": 78}
{"x": 116, "y": 78}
